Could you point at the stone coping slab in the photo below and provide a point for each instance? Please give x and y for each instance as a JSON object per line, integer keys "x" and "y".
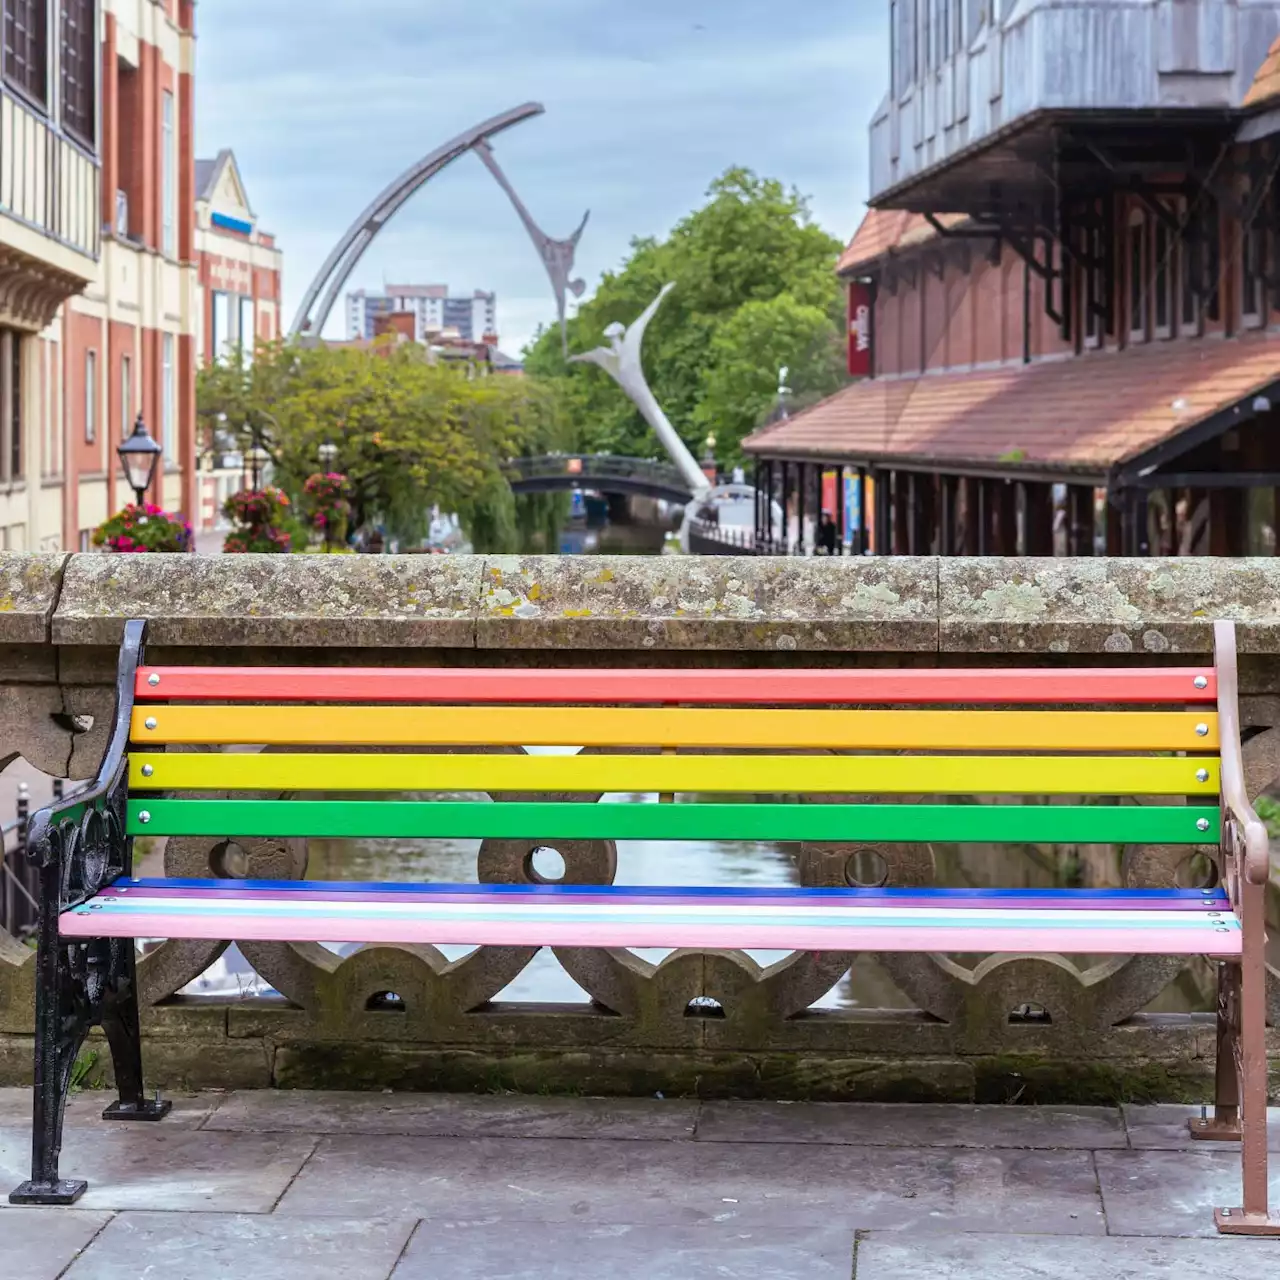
{"x": 29, "y": 586}
{"x": 1140, "y": 608}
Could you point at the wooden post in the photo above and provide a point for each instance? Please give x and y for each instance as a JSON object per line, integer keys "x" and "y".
{"x": 946, "y": 515}
{"x": 1004, "y": 517}
{"x": 1115, "y": 536}
{"x": 1038, "y": 511}
{"x": 970, "y": 533}
{"x": 901, "y": 514}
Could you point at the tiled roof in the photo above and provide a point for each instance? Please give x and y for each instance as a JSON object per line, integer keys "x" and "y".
{"x": 1088, "y": 412}
{"x": 886, "y": 230}
{"x": 1266, "y": 84}
{"x": 206, "y": 174}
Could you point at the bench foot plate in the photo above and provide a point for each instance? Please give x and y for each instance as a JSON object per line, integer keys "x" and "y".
{"x": 1214, "y": 1130}
{"x": 1235, "y": 1222}
{"x": 147, "y": 1109}
{"x": 64, "y": 1191}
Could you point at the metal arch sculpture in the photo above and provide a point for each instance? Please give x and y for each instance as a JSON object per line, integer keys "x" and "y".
{"x": 338, "y": 266}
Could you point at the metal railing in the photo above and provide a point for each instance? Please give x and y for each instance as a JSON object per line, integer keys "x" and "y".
{"x": 18, "y": 879}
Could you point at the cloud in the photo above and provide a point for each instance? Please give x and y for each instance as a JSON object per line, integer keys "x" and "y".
{"x": 646, "y": 104}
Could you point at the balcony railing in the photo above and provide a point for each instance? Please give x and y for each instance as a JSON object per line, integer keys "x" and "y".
{"x": 48, "y": 181}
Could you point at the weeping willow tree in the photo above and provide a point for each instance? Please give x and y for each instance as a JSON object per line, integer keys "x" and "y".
{"x": 407, "y": 433}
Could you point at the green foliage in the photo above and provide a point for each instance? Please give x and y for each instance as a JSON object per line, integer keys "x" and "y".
{"x": 1268, "y": 809}
{"x": 144, "y": 528}
{"x": 408, "y": 433}
{"x": 755, "y": 290}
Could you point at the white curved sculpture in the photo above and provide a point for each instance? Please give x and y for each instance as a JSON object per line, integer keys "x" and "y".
{"x": 621, "y": 361}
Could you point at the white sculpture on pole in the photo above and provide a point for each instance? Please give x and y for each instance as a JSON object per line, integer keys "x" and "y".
{"x": 734, "y": 503}
{"x": 621, "y": 361}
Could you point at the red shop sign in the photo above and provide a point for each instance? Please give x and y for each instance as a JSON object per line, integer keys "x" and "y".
{"x": 859, "y": 330}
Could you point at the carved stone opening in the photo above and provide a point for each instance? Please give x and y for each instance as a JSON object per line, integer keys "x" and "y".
{"x": 545, "y": 865}
{"x": 229, "y": 861}
{"x": 866, "y": 869}
{"x": 385, "y": 1002}
{"x": 704, "y": 1007}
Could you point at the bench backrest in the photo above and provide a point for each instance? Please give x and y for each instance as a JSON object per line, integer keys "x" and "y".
{"x": 746, "y": 737}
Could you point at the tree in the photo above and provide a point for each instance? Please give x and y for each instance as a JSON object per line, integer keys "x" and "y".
{"x": 755, "y": 290}
{"x": 409, "y": 433}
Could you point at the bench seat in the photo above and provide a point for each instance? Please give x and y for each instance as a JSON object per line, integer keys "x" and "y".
{"x": 1073, "y": 921}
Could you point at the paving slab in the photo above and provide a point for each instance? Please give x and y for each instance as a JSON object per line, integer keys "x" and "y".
{"x": 490, "y": 1249}
{"x": 882, "y": 1256}
{"x": 660, "y": 1183}
{"x": 146, "y": 1166}
{"x": 38, "y": 1244}
{"x": 190, "y": 1110}
{"x": 214, "y": 1246}
{"x": 452, "y": 1115}
{"x": 1164, "y": 1128}
{"x": 1171, "y": 1193}
{"x": 912, "y": 1125}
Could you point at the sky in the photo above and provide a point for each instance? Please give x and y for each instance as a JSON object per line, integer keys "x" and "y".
{"x": 324, "y": 102}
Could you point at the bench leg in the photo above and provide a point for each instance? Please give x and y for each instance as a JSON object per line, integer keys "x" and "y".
{"x": 1225, "y": 1124}
{"x": 64, "y": 1013}
{"x": 124, "y": 1036}
{"x": 1249, "y": 1024}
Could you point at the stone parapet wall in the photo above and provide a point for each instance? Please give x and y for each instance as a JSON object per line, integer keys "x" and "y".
{"x": 61, "y": 619}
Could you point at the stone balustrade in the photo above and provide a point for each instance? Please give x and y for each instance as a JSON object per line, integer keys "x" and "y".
{"x": 1091, "y": 1035}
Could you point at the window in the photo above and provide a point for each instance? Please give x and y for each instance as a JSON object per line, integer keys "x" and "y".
{"x": 168, "y": 429}
{"x": 90, "y": 396}
{"x": 957, "y": 23}
{"x": 1095, "y": 284}
{"x": 167, "y": 163}
{"x": 79, "y": 78}
{"x": 944, "y": 30}
{"x": 247, "y": 331}
{"x": 219, "y": 333}
{"x": 895, "y": 79}
{"x": 26, "y": 48}
{"x": 1253, "y": 295}
{"x": 926, "y": 41}
{"x": 11, "y": 464}
{"x": 1138, "y": 277}
{"x": 1164, "y": 299}
{"x": 126, "y": 395}
{"x": 1190, "y": 273}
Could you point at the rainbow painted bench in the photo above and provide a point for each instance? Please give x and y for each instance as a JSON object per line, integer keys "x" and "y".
{"x": 1106, "y": 734}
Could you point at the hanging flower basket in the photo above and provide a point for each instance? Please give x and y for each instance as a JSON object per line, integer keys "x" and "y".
{"x": 144, "y": 528}
{"x": 261, "y": 515}
{"x": 328, "y": 497}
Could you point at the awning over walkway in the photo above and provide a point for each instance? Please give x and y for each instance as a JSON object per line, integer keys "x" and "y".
{"x": 1079, "y": 416}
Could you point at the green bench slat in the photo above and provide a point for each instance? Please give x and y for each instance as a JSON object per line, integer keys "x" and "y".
{"x": 1041, "y": 824}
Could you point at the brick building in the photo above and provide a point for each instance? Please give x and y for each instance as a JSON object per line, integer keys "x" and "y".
{"x": 128, "y": 341}
{"x": 240, "y": 271}
{"x": 1065, "y": 297}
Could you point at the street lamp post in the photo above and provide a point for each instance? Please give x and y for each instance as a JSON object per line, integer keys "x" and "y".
{"x": 138, "y": 455}
{"x": 328, "y": 452}
{"x": 257, "y": 458}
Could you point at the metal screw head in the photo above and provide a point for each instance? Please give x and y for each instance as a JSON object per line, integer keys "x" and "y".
{"x": 1202, "y": 775}
{"x": 144, "y": 816}
{"x": 154, "y": 680}
{"x": 1202, "y": 731}
{"x": 1200, "y": 682}
{"x": 148, "y": 770}
{"x": 150, "y": 723}
{"x": 1202, "y": 824}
